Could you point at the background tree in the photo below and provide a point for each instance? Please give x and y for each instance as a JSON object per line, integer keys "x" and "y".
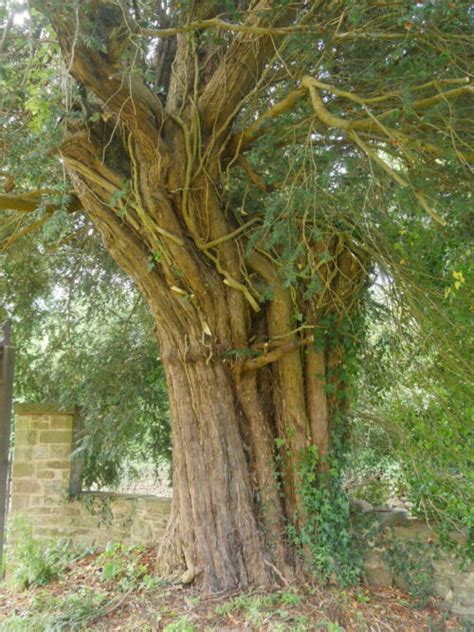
{"x": 252, "y": 166}
{"x": 85, "y": 338}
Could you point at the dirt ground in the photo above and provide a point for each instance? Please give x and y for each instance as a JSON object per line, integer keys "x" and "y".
{"x": 102, "y": 593}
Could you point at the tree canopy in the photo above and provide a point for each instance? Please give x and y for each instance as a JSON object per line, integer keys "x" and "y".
{"x": 289, "y": 185}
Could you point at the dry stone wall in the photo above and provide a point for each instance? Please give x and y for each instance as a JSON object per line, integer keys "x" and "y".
{"x": 41, "y": 488}
{"x": 405, "y": 552}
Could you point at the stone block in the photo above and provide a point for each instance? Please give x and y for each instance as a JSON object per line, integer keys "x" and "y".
{"x": 23, "y": 454}
{"x": 26, "y": 487}
{"x": 392, "y": 518}
{"x": 415, "y": 531}
{"x": 463, "y": 595}
{"x": 26, "y": 438}
{"x": 61, "y": 422}
{"x": 141, "y": 531}
{"x": 22, "y": 422}
{"x": 378, "y": 576}
{"x": 91, "y": 522}
{"x": 54, "y": 487}
{"x": 463, "y": 611}
{"x": 48, "y": 474}
{"x": 46, "y": 409}
{"x": 446, "y": 567}
{"x": 41, "y": 511}
{"x": 40, "y": 423}
{"x": 447, "y": 602}
{"x": 441, "y": 586}
{"x": 58, "y": 464}
{"x": 23, "y": 470}
{"x": 401, "y": 583}
{"x": 36, "y": 502}
{"x": 71, "y": 510}
{"x": 55, "y": 436}
{"x": 59, "y": 451}
{"x": 47, "y": 532}
{"x": 374, "y": 557}
{"x": 467, "y": 580}
{"x": 40, "y": 452}
{"x": 51, "y": 520}
{"x": 20, "y": 502}
{"x": 158, "y": 506}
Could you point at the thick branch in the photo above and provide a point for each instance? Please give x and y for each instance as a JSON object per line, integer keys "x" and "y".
{"x": 30, "y": 202}
{"x": 252, "y": 364}
{"x": 122, "y": 93}
{"x": 217, "y": 23}
{"x": 241, "y": 67}
{"x": 18, "y": 234}
{"x": 243, "y": 139}
{"x": 239, "y": 141}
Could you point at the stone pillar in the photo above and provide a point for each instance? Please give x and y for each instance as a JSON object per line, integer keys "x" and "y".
{"x": 41, "y": 465}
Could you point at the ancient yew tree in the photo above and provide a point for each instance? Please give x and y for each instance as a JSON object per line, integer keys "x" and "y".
{"x": 249, "y": 165}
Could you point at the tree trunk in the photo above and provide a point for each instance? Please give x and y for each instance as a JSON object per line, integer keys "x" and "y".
{"x": 228, "y": 522}
{"x": 214, "y": 531}
{"x": 247, "y": 387}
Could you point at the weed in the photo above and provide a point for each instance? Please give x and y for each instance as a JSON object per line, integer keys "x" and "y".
{"x": 250, "y": 603}
{"x": 33, "y": 563}
{"x": 290, "y": 598}
{"x": 329, "y": 626}
{"x": 260, "y": 608}
{"x": 121, "y": 565}
{"x": 362, "y": 597}
{"x": 16, "y": 623}
{"x": 76, "y": 610}
{"x": 181, "y": 625}
{"x": 195, "y": 601}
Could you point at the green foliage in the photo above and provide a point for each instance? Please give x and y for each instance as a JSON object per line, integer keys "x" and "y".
{"x": 375, "y": 477}
{"x": 84, "y": 338}
{"x": 412, "y": 422}
{"x": 181, "y": 625}
{"x": 121, "y": 566}
{"x": 325, "y": 541}
{"x": 274, "y": 611}
{"x": 34, "y": 563}
{"x": 256, "y": 609}
{"x": 411, "y": 560}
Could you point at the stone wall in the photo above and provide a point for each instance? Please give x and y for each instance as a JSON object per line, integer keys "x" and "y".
{"x": 405, "y": 552}
{"x": 41, "y": 488}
